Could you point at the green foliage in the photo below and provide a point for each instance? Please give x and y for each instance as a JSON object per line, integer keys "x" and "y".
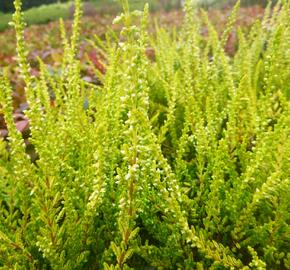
{"x": 44, "y": 13}
{"x": 177, "y": 163}
{"x": 39, "y": 15}
{"x": 7, "y": 5}
{"x": 4, "y": 21}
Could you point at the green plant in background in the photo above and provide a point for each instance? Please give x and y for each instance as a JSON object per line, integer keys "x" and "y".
{"x": 7, "y": 5}
{"x": 39, "y": 15}
{"x": 63, "y": 9}
{"x": 177, "y": 163}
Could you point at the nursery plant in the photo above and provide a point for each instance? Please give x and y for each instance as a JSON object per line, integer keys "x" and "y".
{"x": 177, "y": 161}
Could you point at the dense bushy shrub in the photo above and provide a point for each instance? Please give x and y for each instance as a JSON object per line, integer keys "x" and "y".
{"x": 177, "y": 163}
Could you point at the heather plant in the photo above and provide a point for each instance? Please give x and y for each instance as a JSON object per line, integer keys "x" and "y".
{"x": 180, "y": 162}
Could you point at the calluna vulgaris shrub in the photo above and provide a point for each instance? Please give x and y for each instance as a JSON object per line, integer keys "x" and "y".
{"x": 181, "y": 162}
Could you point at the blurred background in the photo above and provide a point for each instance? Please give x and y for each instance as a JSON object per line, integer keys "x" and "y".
{"x": 43, "y": 11}
{"x": 7, "y": 5}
